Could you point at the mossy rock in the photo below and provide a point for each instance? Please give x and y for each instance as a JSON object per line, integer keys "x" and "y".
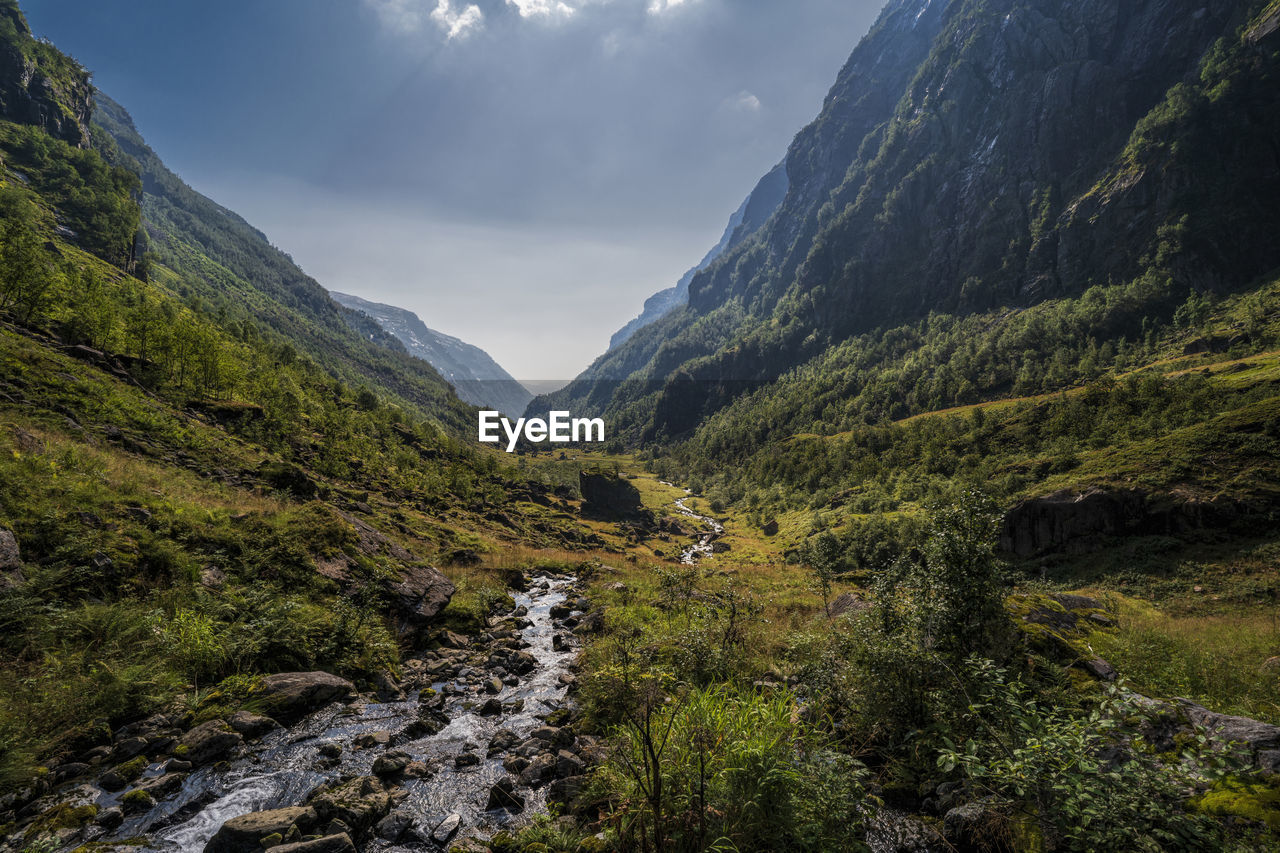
{"x": 65, "y": 816}
{"x": 1255, "y": 801}
{"x": 131, "y": 769}
{"x": 137, "y": 800}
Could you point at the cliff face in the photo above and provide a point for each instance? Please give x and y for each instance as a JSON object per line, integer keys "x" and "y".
{"x": 39, "y": 85}
{"x": 975, "y": 154}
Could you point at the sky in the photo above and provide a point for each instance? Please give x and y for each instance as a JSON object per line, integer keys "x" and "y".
{"x": 521, "y": 174}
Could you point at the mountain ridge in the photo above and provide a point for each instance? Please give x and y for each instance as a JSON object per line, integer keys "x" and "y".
{"x": 472, "y": 372}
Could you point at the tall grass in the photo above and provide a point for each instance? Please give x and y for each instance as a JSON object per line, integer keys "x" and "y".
{"x": 1220, "y": 661}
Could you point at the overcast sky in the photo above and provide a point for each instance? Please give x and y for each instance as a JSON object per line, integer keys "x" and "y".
{"x": 519, "y": 173}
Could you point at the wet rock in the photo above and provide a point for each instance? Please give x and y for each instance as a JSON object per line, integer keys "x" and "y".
{"x": 503, "y": 796}
{"x": 560, "y": 611}
{"x": 493, "y": 686}
{"x": 391, "y": 763}
{"x": 209, "y": 742}
{"x": 287, "y": 697}
{"x": 369, "y": 740}
{"x": 394, "y": 826}
{"x": 541, "y": 769}
{"x": 388, "y": 689}
{"x": 250, "y": 725}
{"x": 360, "y": 803}
{"x": 242, "y": 834}
{"x": 490, "y": 707}
{"x": 330, "y": 749}
{"x": 446, "y": 829}
{"x": 128, "y": 748}
{"x": 465, "y": 759}
{"x": 515, "y": 763}
{"x": 568, "y": 764}
{"x": 163, "y": 786}
{"x": 502, "y": 740}
{"x": 177, "y": 765}
{"x": 558, "y": 642}
{"x": 340, "y": 843}
{"x": 110, "y": 818}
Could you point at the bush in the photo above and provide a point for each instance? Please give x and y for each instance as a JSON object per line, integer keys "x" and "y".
{"x": 718, "y": 769}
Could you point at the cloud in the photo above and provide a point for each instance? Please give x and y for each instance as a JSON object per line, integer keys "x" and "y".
{"x": 542, "y": 8}
{"x": 657, "y": 7}
{"x": 457, "y": 23}
{"x": 744, "y": 102}
{"x": 409, "y": 16}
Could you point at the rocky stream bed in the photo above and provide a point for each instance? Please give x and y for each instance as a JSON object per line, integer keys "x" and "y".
{"x": 477, "y": 737}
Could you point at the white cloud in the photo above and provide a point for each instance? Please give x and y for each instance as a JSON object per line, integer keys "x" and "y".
{"x": 457, "y": 23}
{"x": 744, "y": 102}
{"x": 543, "y": 8}
{"x": 657, "y": 7}
{"x": 409, "y": 16}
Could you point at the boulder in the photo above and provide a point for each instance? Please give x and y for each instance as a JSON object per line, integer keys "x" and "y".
{"x": 209, "y": 742}
{"x": 446, "y": 829}
{"x": 421, "y": 592}
{"x": 391, "y": 763}
{"x": 289, "y": 696}
{"x": 244, "y": 834}
{"x": 250, "y": 725}
{"x": 847, "y": 602}
{"x": 359, "y": 803}
{"x": 502, "y": 796}
{"x": 540, "y": 771}
{"x": 607, "y": 494}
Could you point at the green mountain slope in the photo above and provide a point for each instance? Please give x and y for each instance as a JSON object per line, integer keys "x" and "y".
{"x": 975, "y": 155}
{"x": 208, "y": 469}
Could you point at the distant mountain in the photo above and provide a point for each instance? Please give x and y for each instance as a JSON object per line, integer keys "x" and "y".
{"x": 754, "y": 211}
{"x": 476, "y": 377}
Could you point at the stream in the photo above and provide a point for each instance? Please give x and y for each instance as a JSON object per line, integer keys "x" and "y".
{"x": 703, "y": 547}
{"x": 288, "y": 764}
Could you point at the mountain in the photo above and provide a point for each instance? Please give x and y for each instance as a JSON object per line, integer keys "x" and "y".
{"x": 233, "y": 270}
{"x": 975, "y": 162}
{"x": 750, "y": 216}
{"x": 474, "y": 375}
{"x": 209, "y": 470}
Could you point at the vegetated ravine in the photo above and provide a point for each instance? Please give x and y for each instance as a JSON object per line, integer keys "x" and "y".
{"x": 438, "y": 752}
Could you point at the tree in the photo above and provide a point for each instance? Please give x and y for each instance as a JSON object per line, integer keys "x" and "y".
{"x": 823, "y": 556}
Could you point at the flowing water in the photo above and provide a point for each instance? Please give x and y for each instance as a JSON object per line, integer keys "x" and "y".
{"x": 286, "y": 765}
{"x": 703, "y": 547}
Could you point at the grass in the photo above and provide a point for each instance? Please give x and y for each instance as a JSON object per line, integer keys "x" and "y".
{"x": 1225, "y": 661}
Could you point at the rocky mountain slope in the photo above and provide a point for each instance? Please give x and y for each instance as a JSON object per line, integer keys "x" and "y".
{"x": 474, "y": 375}
{"x": 980, "y": 155}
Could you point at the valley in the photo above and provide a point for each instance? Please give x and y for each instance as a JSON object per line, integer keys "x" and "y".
{"x": 937, "y": 509}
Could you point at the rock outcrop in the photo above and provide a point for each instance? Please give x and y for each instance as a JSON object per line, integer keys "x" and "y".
{"x": 287, "y": 697}
{"x": 40, "y": 86}
{"x": 1078, "y": 522}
